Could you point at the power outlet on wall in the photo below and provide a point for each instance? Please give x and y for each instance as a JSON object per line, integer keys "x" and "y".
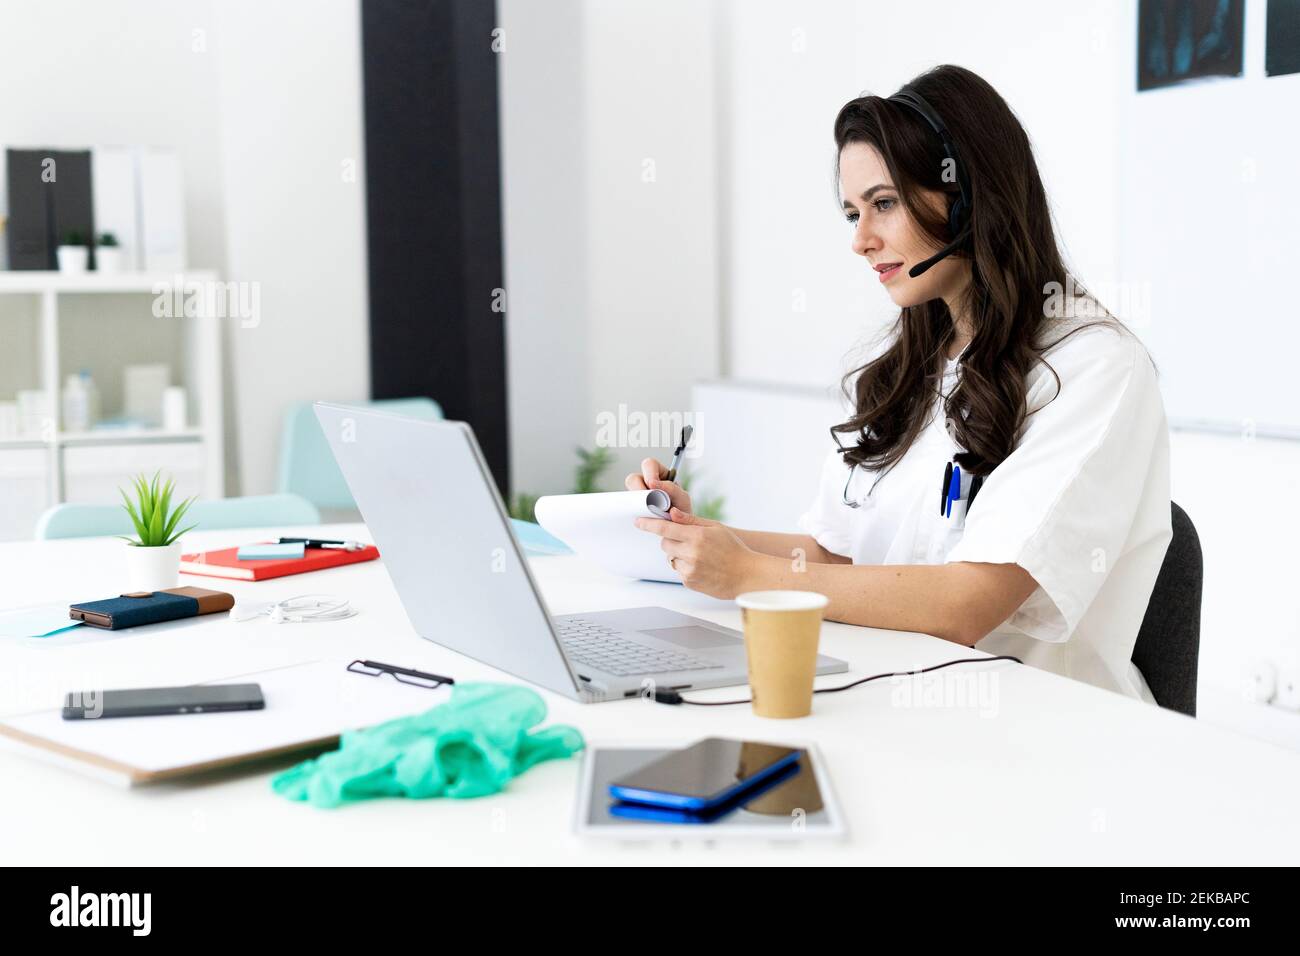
{"x": 1275, "y": 684}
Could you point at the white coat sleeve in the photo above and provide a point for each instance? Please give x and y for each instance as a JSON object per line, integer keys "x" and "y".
{"x": 1062, "y": 503}
{"x": 827, "y": 519}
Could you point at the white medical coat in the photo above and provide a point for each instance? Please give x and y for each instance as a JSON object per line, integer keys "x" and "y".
{"x": 1082, "y": 504}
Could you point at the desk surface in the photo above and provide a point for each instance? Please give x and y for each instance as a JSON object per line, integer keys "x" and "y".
{"x": 1037, "y": 770}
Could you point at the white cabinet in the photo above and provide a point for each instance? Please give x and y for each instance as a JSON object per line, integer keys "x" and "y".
{"x": 24, "y": 486}
{"x": 104, "y": 322}
{"x": 93, "y": 473}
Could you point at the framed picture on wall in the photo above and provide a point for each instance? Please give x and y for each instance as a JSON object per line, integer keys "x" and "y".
{"x": 1181, "y": 41}
{"x": 1282, "y": 39}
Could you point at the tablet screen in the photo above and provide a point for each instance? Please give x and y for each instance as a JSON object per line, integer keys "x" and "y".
{"x": 795, "y": 803}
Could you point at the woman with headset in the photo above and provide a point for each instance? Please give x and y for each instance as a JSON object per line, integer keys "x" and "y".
{"x": 1003, "y": 481}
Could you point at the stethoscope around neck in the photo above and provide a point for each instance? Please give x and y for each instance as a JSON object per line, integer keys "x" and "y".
{"x": 950, "y": 492}
{"x": 855, "y": 502}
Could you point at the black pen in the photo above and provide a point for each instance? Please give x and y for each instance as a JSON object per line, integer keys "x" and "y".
{"x": 324, "y": 543}
{"x": 677, "y": 455}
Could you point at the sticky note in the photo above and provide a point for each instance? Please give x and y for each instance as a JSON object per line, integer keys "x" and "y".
{"x": 269, "y": 552}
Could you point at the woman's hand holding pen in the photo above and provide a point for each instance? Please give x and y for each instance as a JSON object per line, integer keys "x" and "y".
{"x": 707, "y": 554}
{"x": 652, "y": 478}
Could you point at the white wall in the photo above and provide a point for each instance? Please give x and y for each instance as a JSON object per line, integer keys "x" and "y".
{"x": 796, "y": 301}
{"x": 290, "y": 122}
{"x": 1237, "y": 490}
{"x": 610, "y": 230}
{"x": 1210, "y": 167}
{"x": 544, "y": 165}
{"x": 80, "y": 73}
{"x": 652, "y": 246}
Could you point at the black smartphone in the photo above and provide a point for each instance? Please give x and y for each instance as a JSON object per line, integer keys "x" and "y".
{"x": 154, "y": 701}
{"x": 705, "y": 775}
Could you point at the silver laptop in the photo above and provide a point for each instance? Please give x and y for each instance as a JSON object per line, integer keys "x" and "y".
{"x": 427, "y": 498}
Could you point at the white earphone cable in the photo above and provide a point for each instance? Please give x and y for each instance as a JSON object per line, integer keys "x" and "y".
{"x": 304, "y": 609}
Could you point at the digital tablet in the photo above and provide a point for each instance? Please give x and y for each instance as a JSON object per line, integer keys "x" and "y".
{"x": 799, "y": 806}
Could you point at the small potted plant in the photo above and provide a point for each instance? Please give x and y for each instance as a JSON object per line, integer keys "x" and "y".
{"x": 153, "y": 561}
{"x": 74, "y": 254}
{"x": 108, "y": 254}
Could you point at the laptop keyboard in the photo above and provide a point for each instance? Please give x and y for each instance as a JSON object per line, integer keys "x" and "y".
{"x": 605, "y": 649}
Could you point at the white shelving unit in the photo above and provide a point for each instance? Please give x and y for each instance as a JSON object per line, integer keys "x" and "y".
{"x": 199, "y": 444}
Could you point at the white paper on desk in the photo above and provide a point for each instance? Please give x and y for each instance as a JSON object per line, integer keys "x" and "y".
{"x": 600, "y": 528}
{"x": 39, "y": 621}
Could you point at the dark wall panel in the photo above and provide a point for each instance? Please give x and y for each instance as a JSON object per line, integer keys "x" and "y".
{"x": 433, "y": 188}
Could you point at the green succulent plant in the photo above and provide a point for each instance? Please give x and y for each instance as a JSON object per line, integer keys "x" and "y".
{"x": 152, "y": 514}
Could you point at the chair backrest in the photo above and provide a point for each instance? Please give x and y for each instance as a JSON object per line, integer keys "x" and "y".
{"x": 1169, "y": 642}
{"x": 255, "y": 511}
{"x": 307, "y": 466}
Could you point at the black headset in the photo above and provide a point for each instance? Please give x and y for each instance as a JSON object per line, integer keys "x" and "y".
{"x": 959, "y": 211}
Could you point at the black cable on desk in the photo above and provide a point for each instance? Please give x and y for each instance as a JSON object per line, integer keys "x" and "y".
{"x": 673, "y": 697}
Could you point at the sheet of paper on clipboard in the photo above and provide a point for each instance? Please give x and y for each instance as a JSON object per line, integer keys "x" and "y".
{"x": 600, "y": 528}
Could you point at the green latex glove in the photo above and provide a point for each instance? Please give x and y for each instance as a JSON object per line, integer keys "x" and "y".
{"x": 468, "y": 747}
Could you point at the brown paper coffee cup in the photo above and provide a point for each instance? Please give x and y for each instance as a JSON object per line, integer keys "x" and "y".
{"x": 781, "y": 633}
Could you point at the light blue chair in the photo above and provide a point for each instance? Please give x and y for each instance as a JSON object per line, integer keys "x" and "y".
{"x": 307, "y": 466}
{"x": 255, "y": 511}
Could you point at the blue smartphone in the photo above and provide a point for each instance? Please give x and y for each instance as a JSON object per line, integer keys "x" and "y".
{"x": 643, "y": 811}
{"x": 705, "y": 775}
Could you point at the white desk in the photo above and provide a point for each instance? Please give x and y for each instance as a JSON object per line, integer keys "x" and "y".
{"x": 1058, "y": 772}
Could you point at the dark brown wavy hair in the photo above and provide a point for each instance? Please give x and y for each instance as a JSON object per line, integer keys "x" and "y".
{"x": 1014, "y": 260}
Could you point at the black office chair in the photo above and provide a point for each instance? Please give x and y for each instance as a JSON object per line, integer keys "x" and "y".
{"x": 1169, "y": 641}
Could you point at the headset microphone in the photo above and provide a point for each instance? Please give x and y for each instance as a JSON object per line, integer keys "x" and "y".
{"x": 922, "y": 267}
{"x": 959, "y": 211}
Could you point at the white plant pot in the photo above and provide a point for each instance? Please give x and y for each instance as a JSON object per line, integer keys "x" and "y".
{"x": 73, "y": 258}
{"x": 108, "y": 259}
{"x": 153, "y": 569}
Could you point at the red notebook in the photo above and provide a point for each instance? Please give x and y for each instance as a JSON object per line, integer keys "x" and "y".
{"x": 225, "y": 564}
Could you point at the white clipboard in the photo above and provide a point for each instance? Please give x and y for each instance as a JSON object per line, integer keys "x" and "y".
{"x": 308, "y": 706}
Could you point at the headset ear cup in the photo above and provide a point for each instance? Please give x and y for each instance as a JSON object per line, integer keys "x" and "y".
{"x": 957, "y": 217}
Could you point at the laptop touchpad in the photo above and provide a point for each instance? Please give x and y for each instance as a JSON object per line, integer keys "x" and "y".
{"x": 692, "y": 636}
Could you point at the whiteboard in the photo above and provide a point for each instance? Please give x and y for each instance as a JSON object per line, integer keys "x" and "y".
{"x": 1210, "y": 220}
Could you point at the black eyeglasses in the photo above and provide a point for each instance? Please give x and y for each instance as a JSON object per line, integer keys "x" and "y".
{"x": 404, "y": 674}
